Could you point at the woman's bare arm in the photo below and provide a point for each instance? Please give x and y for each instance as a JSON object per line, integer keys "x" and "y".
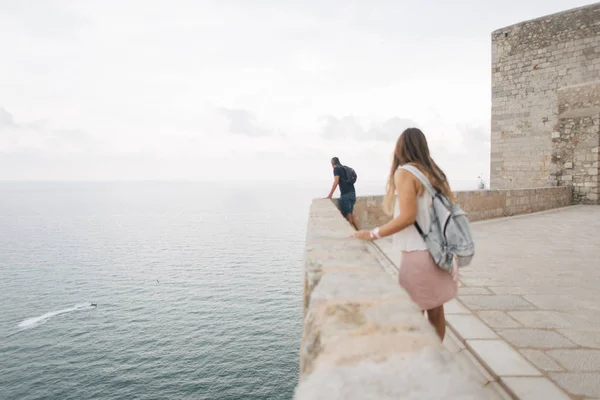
{"x": 407, "y": 190}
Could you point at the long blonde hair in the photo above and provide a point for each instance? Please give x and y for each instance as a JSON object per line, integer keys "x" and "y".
{"x": 411, "y": 148}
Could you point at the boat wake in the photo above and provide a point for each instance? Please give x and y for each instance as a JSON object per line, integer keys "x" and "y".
{"x": 36, "y": 321}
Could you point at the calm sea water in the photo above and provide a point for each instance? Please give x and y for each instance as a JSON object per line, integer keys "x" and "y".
{"x": 198, "y": 287}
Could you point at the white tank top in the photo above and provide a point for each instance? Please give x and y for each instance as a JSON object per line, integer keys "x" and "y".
{"x": 409, "y": 238}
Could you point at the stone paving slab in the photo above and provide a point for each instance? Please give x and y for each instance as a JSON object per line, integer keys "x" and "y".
{"x": 535, "y": 282}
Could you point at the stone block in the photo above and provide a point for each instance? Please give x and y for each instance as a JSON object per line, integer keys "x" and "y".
{"x": 466, "y": 290}
{"x": 579, "y": 383}
{"x": 470, "y": 327}
{"x": 542, "y": 319}
{"x": 585, "y": 338}
{"x": 535, "y": 338}
{"x": 500, "y": 302}
{"x": 455, "y": 307}
{"x": 577, "y": 359}
{"x": 396, "y": 377}
{"x": 367, "y": 286}
{"x": 541, "y": 360}
{"x": 498, "y": 319}
{"x": 501, "y": 358}
{"x": 532, "y": 388}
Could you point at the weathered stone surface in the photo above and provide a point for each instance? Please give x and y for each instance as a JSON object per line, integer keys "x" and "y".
{"x": 498, "y": 319}
{"x": 369, "y": 212}
{"x": 531, "y": 388}
{"x": 364, "y": 286}
{"x": 564, "y": 302}
{"x": 408, "y": 377}
{"x": 578, "y": 384}
{"x": 541, "y": 360}
{"x": 499, "y": 302}
{"x": 535, "y": 338}
{"x": 579, "y": 127}
{"x": 360, "y": 325}
{"x": 585, "y": 338}
{"x": 466, "y": 290}
{"x": 501, "y": 358}
{"x": 548, "y": 319}
{"x": 577, "y": 359}
{"x": 454, "y": 307}
{"x": 470, "y": 327}
{"x": 347, "y": 333}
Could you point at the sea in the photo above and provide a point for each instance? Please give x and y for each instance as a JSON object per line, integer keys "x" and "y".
{"x": 197, "y": 288}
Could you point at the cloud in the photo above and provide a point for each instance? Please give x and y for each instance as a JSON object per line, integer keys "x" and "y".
{"x": 473, "y": 159}
{"x": 37, "y": 137}
{"x": 6, "y": 118}
{"x": 345, "y": 127}
{"x": 391, "y": 129}
{"x": 243, "y": 122}
{"x": 476, "y": 140}
{"x": 350, "y": 127}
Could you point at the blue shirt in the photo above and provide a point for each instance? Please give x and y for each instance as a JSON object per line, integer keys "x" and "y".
{"x": 345, "y": 187}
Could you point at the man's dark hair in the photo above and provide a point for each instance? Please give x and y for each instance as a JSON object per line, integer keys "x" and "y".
{"x": 335, "y": 161}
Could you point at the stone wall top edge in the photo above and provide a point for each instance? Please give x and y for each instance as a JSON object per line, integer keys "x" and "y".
{"x": 578, "y": 86}
{"x": 541, "y": 19}
{"x": 580, "y": 113}
{"x": 323, "y": 207}
{"x": 530, "y": 189}
{"x": 484, "y": 192}
{"x": 371, "y": 196}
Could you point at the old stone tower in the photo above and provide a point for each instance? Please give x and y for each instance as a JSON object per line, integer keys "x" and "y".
{"x": 546, "y": 103}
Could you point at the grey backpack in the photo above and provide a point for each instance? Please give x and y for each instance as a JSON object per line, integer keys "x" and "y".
{"x": 449, "y": 235}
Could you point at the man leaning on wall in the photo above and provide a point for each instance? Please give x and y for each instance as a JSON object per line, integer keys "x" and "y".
{"x": 344, "y": 177}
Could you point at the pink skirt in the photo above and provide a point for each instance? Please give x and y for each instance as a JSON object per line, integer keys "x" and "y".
{"x": 427, "y": 284}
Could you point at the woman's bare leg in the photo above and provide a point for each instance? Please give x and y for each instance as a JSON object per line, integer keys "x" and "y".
{"x": 438, "y": 320}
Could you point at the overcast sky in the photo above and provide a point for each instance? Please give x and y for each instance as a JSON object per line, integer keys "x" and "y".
{"x": 245, "y": 89}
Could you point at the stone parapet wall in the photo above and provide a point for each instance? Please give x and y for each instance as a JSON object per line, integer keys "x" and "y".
{"x": 368, "y": 212}
{"x": 478, "y": 204}
{"x": 487, "y": 204}
{"x": 363, "y": 338}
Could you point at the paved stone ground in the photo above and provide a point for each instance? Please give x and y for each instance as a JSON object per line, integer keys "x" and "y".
{"x": 534, "y": 287}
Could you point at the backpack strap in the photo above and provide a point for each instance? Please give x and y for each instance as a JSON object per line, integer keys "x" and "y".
{"x": 419, "y": 175}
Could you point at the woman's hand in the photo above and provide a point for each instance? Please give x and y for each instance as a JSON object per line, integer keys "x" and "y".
{"x": 362, "y": 235}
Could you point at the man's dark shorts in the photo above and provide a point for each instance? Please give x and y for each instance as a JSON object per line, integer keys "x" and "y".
{"x": 347, "y": 201}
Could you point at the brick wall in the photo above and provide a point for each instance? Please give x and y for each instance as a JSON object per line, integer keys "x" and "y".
{"x": 478, "y": 204}
{"x": 531, "y": 61}
{"x": 576, "y": 141}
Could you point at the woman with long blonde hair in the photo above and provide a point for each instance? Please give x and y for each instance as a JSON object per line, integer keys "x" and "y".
{"x": 409, "y": 202}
